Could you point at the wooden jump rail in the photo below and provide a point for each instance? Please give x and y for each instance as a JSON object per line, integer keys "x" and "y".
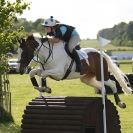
{"x": 69, "y": 115}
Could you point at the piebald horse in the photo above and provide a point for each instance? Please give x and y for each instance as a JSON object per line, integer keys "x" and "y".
{"x": 57, "y": 65}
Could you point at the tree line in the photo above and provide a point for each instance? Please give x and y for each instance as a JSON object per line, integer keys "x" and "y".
{"x": 12, "y": 27}
{"x": 120, "y": 34}
{"x": 29, "y": 26}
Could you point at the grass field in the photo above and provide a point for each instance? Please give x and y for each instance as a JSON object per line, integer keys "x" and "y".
{"x": 23, "y": 92}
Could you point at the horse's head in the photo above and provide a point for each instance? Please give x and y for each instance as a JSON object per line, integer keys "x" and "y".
{"x": 26, "y": 52}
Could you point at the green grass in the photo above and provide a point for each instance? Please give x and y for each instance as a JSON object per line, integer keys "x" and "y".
{"x": 23, "y": 92}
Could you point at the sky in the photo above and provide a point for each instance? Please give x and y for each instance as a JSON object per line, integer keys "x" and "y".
{"x": 88, "y": 16}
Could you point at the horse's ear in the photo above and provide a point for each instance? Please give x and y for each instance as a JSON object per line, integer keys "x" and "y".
{"x": 19, "y": 41}
{"x": 23, "y": 40}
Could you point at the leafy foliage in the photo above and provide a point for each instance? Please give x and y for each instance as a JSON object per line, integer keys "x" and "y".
{"x": 30, "y": 26}
{"x": 8, "y": 16}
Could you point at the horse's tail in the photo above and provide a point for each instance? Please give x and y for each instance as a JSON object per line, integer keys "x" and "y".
{"x": 118, "y": 74}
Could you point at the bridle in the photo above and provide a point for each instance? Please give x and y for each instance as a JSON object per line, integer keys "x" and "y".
{"x": 24, "y": 58}
{"x": 36, "y": 49}
{"x": 36, "y": 53}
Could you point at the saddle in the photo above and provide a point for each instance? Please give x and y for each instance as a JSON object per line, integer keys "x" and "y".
{"x": 81, "y": 61}
{"x": 80, "y": 58}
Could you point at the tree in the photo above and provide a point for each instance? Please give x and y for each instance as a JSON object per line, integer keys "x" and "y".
{"x": 121, "y": 34}
{"x": 37, "y": 25}
{"x": 8, "y": 37}
{"x": 130, "y": 30}
{"x": 8, "y": 16}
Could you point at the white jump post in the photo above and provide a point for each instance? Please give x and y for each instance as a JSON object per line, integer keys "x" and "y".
{"x": 102, "y": 43}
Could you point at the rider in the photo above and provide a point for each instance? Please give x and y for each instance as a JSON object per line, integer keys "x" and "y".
{"x": 68, "y": 34}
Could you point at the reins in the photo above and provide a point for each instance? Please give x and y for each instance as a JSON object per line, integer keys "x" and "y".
{"x": 50, "y": 53}
{"x": 68, "y": 71}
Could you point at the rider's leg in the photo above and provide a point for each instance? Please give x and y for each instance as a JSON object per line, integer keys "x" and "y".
{"x": 70, "y": 48}
{"x": 81, "y": 63}
{"x": 80, "y": 57}
{"x": 74, "y": 44}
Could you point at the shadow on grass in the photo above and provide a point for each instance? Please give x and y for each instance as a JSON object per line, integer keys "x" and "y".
{"x": 9, "y": 127}
{"x": 7, "y": 124}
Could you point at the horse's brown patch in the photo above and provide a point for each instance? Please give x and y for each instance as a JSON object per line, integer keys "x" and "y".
{"x": 94, "y": 69}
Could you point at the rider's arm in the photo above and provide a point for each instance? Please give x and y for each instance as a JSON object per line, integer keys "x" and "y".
{"x": 58, "y": 35}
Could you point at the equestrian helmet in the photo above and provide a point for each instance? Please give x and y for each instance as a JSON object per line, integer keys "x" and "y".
{"x": 50, "y": 22}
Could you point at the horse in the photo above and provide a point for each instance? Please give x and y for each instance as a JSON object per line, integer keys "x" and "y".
{"x": 58, "y": 65}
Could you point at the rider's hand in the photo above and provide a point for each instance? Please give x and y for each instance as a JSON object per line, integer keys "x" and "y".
{"x": 44, "y": 39}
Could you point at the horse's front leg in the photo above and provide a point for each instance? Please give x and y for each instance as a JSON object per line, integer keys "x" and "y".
{"x": 43, "y": 84}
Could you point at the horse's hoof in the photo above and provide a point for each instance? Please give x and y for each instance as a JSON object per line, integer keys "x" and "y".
{"x": 122, "y": 105}
{"x": 45, "y": 89}
{"x": 48, "y": 90}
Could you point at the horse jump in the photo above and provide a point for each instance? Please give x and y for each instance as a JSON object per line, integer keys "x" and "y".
{"x": 55, "y": 62}
{"x": 69, "y": 115}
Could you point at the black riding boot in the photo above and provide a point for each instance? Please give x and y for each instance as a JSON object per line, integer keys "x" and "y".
{"x": 75, "y": 56}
